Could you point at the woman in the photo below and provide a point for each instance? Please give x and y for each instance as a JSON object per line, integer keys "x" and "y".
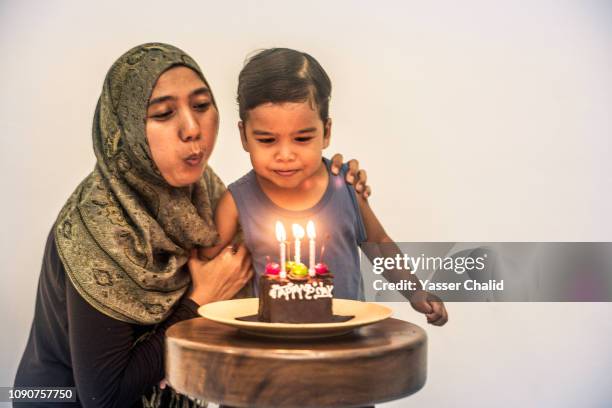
{"x": 117, "y": 270}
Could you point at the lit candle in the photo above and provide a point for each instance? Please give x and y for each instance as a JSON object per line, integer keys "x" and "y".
{"x": 298, "y": 233}
{"x": 310, "y": 229}
{"x": 281, "y": 236}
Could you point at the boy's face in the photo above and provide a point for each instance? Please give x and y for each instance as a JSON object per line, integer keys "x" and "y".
{"x": 285, "y": 141}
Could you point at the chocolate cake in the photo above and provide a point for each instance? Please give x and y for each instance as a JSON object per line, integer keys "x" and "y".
{"x": 296, "y": 299}
{"x": 306, "y": 300}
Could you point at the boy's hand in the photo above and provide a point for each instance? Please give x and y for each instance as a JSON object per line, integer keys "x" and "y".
{"x": 431, "y": 306}
{"x": 354, "y": 175}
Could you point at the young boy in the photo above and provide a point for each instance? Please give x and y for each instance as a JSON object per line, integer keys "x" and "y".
{"x": 283, "y": 98}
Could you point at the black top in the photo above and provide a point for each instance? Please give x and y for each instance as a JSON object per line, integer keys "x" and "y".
{"x": 73, "y": 344}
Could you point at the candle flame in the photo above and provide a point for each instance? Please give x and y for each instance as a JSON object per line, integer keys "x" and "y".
{"x": 310, "y": 229}
{"x": 281, "y": 235}
{"x": 298, "y": 231}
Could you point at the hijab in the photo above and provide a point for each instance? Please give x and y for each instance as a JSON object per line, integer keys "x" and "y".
{"x": 125, "y": 234}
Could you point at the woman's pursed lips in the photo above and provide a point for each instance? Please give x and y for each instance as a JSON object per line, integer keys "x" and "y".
{"x": 194, "y": 159}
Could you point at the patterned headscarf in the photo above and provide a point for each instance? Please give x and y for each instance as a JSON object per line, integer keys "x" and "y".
{"x": 124, "y": 235}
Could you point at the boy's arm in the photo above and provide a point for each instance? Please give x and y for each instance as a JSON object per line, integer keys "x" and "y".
{"x": 226, "y": 220}
{"x": 377, "y": 235}
{"x": 420, "y": 300}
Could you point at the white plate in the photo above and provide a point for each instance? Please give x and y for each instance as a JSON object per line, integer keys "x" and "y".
{"x": 227, "y": 311}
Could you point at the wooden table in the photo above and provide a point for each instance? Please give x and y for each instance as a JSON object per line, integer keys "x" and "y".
{"x": 217, "y": 363}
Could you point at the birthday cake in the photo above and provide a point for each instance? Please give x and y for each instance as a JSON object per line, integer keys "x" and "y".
{"x": 297, "y": 298}
{"x": 292, "y": 293}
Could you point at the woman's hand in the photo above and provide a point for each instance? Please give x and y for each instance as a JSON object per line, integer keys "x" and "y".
{"x": 431, "y": 306}
{"x": 354, "y": 175}
{"x": 220, "y": 278}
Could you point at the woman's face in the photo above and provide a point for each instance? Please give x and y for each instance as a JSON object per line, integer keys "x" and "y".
{"x": 182, "y": 124}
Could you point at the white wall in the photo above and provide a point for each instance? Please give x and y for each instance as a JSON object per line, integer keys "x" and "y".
{"x": 476, "y": 120}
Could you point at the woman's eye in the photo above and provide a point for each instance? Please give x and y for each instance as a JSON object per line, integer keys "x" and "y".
{"x": 162, "y": 115}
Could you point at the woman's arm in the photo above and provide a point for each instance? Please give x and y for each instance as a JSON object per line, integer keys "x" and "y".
{"x": 110, "y": 369}
{"x": 220, "y": 278}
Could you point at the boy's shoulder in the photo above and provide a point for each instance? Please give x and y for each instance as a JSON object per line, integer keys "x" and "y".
{"x": 247, "y": 179}
{"x": 227, "y": 204}
{"x": 244, "y": 190}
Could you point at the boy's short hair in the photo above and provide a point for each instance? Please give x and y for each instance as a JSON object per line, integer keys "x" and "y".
{"x": 280, "y": 75}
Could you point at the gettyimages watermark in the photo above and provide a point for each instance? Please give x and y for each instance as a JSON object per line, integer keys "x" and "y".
{"x": 489, "y": 272}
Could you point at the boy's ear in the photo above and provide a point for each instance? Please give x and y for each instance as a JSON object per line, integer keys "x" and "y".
{"x": 327, "y": 133}
{"x": 243, "y": 136}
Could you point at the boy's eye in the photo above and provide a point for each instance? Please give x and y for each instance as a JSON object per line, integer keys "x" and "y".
{"x": 266, "y": 140}
{"x": 202, "y": 106}
{"x": 303, "y": 138}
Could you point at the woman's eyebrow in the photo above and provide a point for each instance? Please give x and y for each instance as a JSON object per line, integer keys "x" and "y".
{"x": 161, "y": 99}
{"x": 200, "y": 91}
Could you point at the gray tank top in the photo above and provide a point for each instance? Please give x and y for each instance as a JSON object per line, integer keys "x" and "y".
{"x": 338, "y": 223}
